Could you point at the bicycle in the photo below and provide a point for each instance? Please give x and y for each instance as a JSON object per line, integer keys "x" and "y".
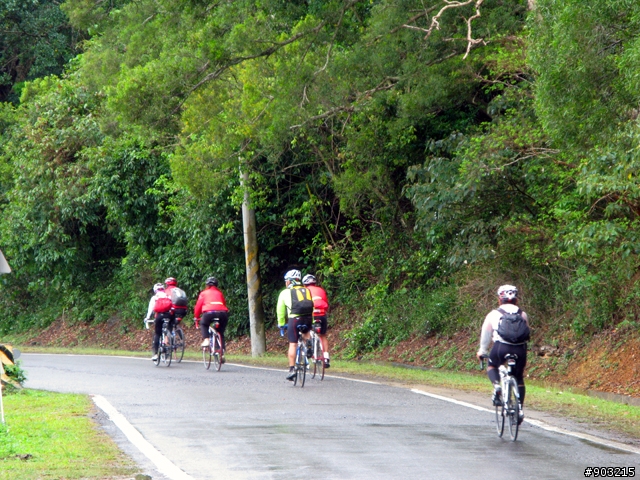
{"x": 510, "y": 404}
{"x": 214, "y": 349}
{"x": 165, "y": 348}
{"x": 318, "y": 352}
{"x": 301, "y": 362}
{"x": 178, "y": 342}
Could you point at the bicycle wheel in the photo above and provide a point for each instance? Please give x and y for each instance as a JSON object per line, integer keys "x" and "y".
{"x": 500, "y": 419}
{"x": 295, "y": 365}
{"x": 314, "y": 358}
{"x": 512, "y": 408}
{"x": 217, "y": 351}
{"x": 206, "y": 356}
{"x": 318, "y": 358}
{"x": 179, "y": 344}
{"x": 167, "y": 348}
{"x": 301, "y": 367}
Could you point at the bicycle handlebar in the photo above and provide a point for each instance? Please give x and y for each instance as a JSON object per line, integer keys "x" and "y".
{"x": 482, "y": 359}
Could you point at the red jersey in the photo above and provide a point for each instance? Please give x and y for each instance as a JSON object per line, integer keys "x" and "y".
{"x": 210, "y": 300}
{"x": 320, "y": 302}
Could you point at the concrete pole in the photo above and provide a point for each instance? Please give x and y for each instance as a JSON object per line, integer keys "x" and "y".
{"x": 256, "y": 309}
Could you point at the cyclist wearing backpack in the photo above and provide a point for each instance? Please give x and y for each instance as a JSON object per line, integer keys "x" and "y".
{"x": 508, "y": 327}
{"x": 211, "y": 304}
{"x": 320, "y": 307}
{"x": 178, "y": 299}
{"x": 160, "y": 306}
{"x": 295, "y": 307}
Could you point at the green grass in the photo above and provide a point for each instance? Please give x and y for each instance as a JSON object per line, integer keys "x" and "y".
{"x": 51, "y": 436}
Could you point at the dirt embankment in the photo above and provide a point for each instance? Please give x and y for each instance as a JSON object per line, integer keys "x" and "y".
{"x": 607, "y": 362}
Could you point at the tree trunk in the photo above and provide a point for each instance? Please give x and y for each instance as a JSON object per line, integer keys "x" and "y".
{"x": 256, "y": 309}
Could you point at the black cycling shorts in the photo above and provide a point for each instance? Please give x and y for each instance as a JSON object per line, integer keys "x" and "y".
{"x": 498, "y": 352}
{"x": 292, "y": 332}
{"x": 323, "y": 323}
{"x": 179, "y": 313}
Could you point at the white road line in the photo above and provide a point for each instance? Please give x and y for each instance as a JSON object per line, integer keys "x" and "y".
{"x": 164, "y": 465}
{"x": 451, "y": 400}
{"x": 543, "y": 425}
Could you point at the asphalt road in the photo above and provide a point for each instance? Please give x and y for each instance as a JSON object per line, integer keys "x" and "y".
{"x": 249, "y": 423}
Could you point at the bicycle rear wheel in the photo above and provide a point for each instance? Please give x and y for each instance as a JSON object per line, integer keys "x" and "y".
{"x": 179, "y": 344}
{"x": 314, "y": 358}
{"x": 167, "y": 348}
{"x": 319, "y": 358}
{"x": 206, "y": 356}
{"x": 301, "y": 367}
{"x": 512, "y": 408}
{"x": 217, "y": 351}
{"x": 297, "y": 362}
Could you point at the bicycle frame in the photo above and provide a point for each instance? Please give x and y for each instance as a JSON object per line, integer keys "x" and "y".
{"x": 213, "y": 352}
{"x": 300, "y": 364}
{"x": 318, "y": 354}
{"x": 509, "y": 386}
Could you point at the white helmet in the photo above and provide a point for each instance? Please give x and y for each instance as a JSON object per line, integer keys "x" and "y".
{"x": 309, "y": 279}
{"x": 293, "y": 275}
{"x": 158, "y": 287}
{"x": 507, "y": 292}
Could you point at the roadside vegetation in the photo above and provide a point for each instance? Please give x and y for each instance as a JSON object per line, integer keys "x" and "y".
{"x": 53, "y": 435}
{"x": 412, "y": 166}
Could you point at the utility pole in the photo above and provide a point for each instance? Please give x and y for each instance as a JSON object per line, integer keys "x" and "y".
{"x": 256, "y": 309}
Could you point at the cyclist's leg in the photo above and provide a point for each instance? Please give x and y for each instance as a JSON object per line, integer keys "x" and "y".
{"x": 323, "y": 336}
{"x": 205, "y": 322}
{"x": 496, "y": 358}
{"x": 157, "y": 333}
{"x": 518, "y": 371}
{"x": 292, "y": 336}
{"x": 224, "y": 319}
{"x": 172, "y": 320}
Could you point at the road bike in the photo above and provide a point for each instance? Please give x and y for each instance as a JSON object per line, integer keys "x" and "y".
{"x": 301, "y": 362}
{"x": 178, "y": 343}
{"x": 214, "y": 349}
{"x": 318, "y": 352}
{"x": 165, "y": 348}
{"x": 510, "y": 405}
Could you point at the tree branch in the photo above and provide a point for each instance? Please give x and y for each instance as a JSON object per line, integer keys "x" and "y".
{"x": 387, "y": 84}
{"x": 435, "y": 21}
{"x": 235, "y": 61}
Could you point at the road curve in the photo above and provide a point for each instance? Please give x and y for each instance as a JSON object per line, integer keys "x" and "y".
{"x": 250, "y": 423}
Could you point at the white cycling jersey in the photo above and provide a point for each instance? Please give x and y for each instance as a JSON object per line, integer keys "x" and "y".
{"x": 489, "y": 330}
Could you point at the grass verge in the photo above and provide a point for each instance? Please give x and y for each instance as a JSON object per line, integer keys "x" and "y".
{"x": 599, "y": 413}
{"x": 51, "y": 435}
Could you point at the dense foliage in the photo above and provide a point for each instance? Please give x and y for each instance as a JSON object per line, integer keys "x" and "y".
{"x": 414, "y": 156}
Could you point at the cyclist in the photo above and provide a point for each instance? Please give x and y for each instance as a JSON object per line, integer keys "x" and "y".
{"x": 295, "y": 307}
{"x": 508, "y": 301}
{"x": 320, "y": 307}
{"x": 160, "y": 304}
{"x": 179, "y": 311}
{"x": 211, "y": 304}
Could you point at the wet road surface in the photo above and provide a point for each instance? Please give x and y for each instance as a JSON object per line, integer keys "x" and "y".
{"x": 250, "y": 423}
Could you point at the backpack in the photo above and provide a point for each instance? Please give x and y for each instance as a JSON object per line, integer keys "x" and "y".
{"x": 301, "y": 302}
{"x": 178, "y": 297}
{"x": 163, "y": 305}
{"x": 513, "y": 327}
